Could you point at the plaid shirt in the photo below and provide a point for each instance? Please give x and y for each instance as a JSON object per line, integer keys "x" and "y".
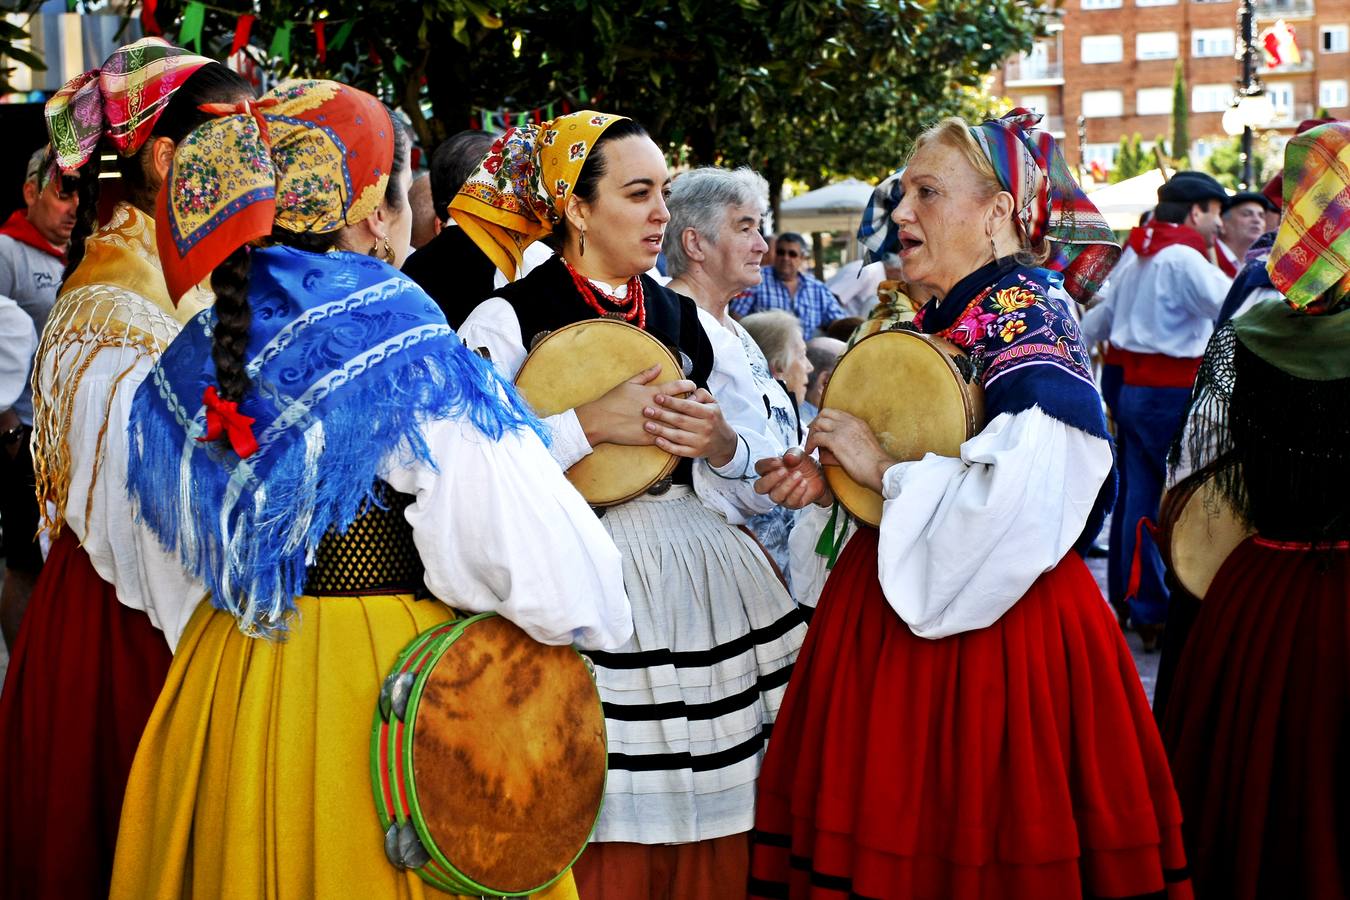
{"x": 814, "y": 305}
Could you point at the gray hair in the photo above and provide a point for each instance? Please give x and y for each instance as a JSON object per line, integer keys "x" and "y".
{"x": 773, "y": 330}
{"x": 823, "y": 353}
{"x": 699, "y": 200}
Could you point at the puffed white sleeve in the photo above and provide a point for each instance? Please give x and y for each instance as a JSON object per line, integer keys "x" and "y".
{"x": 124, "y": 552}
{"x": 499, "y": 529}
{"x": 18, "y": 340}
{"x": 963, "y": 539}
{"x": 1200, "y": 286}
{"x": 494, "y": 326}
{"x": 730, "y": 489}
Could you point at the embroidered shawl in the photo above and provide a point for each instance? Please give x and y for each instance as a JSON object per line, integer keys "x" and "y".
{"x": 348, "y": 358}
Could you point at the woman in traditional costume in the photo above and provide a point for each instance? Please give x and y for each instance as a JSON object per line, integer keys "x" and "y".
{"x": 713, "y": 249}
{"x": 965, "y": 720}
{"x": 690, "y": 700}
{"x": 317, "y": 447}
{"x": 96, "y": 639}
{"x": 1257, "y": 726}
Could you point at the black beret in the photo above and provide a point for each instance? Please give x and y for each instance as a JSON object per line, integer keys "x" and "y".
{"x": 1250, "y": 197}
{"x": 1192, "y": 187}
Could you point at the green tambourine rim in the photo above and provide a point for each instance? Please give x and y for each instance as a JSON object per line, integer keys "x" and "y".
{"x": 383, "y": 734}
{"x": 415, "y": 808}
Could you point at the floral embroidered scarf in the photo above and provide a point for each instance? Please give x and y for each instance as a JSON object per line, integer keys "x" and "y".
{"x": 308, "y": 156}
{"x": 519, "y": 191}
{"x": 122, "y": 99}
{"x": 348, "y": 358}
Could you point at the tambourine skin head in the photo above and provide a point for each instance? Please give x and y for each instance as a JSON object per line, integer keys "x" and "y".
{"x": 505, "y": 758}
{"x": 908, "y": 390}
{"x": 582, "y": 362}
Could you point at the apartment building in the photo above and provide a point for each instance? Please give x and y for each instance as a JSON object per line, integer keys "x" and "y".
{"x": 1112, "y": 62}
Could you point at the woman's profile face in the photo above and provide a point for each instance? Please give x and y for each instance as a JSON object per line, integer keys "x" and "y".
{"x": 626, "y": 219}
{"x": 400, "y": 223}
{"x": 944, "y": 222}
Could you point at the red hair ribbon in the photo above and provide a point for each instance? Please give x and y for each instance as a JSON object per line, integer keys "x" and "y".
{"x": 252, "y": 108}
{"x": 223, "y": 419}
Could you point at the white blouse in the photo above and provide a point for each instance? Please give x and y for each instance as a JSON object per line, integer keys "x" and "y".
{"x": 728, "y": 489}
{"x": 962, "y": 539}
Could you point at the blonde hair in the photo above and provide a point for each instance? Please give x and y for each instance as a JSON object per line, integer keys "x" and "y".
{"x": 953, "y": 132}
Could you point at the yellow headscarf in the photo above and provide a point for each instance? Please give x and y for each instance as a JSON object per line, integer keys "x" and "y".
{"x": 519, "y": 191}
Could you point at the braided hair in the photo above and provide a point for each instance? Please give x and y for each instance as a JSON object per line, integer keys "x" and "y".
{"x": 212, "y": 83}
{"x": 230, "y": 283}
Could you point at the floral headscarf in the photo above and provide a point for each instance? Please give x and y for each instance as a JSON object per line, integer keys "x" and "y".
{"x": 1310, "y": 262}
{"x": 519, "y": 191}
{"x": 310, "y": 156}
{"x": 1050, "y": 204}
{"x": 122, "y": 99}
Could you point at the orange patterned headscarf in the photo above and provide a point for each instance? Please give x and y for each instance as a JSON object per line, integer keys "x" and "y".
{"x": 519, "y": 191}
{"x": 309, "y": 156}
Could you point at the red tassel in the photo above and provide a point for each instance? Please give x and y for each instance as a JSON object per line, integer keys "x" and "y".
{"x": 1137, "y": 563}
{"x": 223, "y": 419}
{"x": 149, "y": 24}
{"x": 242, "y": 29}
{"x": 320, "y": 42}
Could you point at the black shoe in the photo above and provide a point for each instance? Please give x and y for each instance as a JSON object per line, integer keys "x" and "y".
{"x": 1097, "y": 551}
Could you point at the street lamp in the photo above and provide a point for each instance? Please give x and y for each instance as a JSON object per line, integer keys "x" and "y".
{"x": 1251, "y": 107}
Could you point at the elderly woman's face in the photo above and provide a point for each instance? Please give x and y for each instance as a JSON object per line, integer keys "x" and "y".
{"x": 734, "y": 260}
{"x": 944, "y": 222}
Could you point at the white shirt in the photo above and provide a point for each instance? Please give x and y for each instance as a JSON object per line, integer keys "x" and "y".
{"x": 1164, "y": 303}
{"x": 728, "y": 489}
{"x": 18, "y": 340}
{"x": 963, "y": 539}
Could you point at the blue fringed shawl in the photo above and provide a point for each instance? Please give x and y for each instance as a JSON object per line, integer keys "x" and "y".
{"x": 348, "y": 357}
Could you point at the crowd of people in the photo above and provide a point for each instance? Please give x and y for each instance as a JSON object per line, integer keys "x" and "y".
{"x": 260, "y": 433}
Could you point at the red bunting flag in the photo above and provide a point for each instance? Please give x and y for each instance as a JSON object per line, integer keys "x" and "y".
{"x": 320, "y": 42}
{"x": 242, "y": 29}
{"x": 149, "y": 24}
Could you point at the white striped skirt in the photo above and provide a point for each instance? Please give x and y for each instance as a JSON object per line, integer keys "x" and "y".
{"x": 690, "y": 700}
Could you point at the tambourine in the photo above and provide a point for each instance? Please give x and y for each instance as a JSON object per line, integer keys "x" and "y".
{"x": 918, "y": 395}
{"x": 582, "y": 362}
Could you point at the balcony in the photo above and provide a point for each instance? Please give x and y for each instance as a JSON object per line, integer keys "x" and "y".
{"x": 1290, "y": 116}
{"x": 1284, "y": 9}
{"x": 1028, "y": 72}
{"x": 1054, "y": 125}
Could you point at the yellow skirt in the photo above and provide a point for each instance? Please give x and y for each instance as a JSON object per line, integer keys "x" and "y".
{"x": 252, "y": 779}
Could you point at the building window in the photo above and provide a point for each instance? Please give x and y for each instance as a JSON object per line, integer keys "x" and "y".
{"x": 1155, "y": 45}
{"x": 1332, "y": 94}
{"x": 1335, "y": 38}
{"x": 1101, "y": 4}
{"x": 1212, "y": 42}
{"x": 1100, "y": 153}
{"x": 1282, "y": 98}
{"x": 1211, "y": 97}
{"x": 1153, "y": 101}
{"x": 1103, "y": 48}
{"x": 1103, "y": 104}
{"x": 1036, "y": 103}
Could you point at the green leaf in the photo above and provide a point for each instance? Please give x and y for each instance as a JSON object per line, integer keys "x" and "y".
{"x": 28, "y": 59}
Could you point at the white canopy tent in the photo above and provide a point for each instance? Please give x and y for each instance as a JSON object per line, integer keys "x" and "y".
{"x": 1123, "y": 202}
{"x": 835, "y": 207}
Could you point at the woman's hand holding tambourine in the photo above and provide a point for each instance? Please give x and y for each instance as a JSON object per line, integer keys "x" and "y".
{"x": 692, "y": 427}
{"x": 852, "y": 444}
{"x": 618, "y": 417}
{"x": 792, "y": 480}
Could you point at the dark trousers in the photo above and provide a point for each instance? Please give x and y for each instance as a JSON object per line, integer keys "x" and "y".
{"x": 19, "y": 508}
{"x": 1147, "y": 420}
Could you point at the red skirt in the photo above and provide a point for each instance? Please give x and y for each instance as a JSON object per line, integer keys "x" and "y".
{"x": 83, "y": 676}
{"x": 1020, "y": 760}
{"x": 1258, "y": 727}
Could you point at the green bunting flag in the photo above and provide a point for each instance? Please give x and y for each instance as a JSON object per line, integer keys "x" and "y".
{"x": 340, "y": 39}
{"x": 190, "y": 31}
{"x": 281, "y": 43}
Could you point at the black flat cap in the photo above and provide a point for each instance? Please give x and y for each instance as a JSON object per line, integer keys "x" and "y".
{"x": 1250, "y": 197}
{"x": 1192, "y": 187}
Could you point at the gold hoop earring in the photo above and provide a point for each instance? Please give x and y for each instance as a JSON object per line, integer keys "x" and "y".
{"x": 387, "y": 253}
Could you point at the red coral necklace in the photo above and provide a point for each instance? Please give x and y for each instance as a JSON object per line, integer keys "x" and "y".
{"x": 628, "y": 309}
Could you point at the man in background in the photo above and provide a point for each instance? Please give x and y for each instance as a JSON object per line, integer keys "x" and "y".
{"x": 787, "y": 285}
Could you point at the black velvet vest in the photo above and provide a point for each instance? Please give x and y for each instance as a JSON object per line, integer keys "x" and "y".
{"x": 546, "y": 300}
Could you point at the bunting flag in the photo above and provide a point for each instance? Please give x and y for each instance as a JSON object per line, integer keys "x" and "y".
{"x": 190, "y": 31}
{"x": 281, "y": 43}
{"x": 343, "y": 33}
{"x": 242, "y": 30}
{"x": 1280, "y": 45}
{"x": 320, "y": 44}
{"x": 149, "y": 24}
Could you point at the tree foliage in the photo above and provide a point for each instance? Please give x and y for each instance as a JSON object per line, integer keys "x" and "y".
{"x": 1225, "y": 163}
{"x": 800, "y": 89}
{"x": 1132, "y": 159}
{"x": 10, "y": 36}
{"x": 1181, "y": 112}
